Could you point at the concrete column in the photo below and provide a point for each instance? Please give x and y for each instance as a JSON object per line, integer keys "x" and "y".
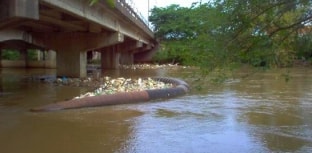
{"x": 127, "y": 51}
{"x": 126, "y": 58}
{"x": 40, "y": 55}
{"x": 110, "y": 57}
{"x": 23, "y": 54}
{"x": 71, "y": 63}
{"x": 50, "y": 59}
{"x": 23, "y": 57}
{"x": 0, "y": 56}
{"x": 146, "y": 53}
{"x": 72, "y": 47}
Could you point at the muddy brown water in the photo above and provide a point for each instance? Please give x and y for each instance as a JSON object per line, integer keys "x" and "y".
{"x": 260, "y": 113}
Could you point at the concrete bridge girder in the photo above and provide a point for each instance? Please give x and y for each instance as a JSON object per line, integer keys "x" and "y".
{"x": 14, "y": 11}
{"x": 132, "y": 45}
{"x": 100, "y": 15}
{"x": 65, "y": 41}
{"x": 14, "y": 34}
{"x": 72, "y": 49}
{"x": 73, "y": 27}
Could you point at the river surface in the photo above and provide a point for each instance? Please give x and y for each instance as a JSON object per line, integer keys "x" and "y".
{"x": 258, "y": 113}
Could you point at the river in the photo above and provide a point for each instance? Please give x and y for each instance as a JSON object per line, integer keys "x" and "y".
{"x": 258, "y": 113}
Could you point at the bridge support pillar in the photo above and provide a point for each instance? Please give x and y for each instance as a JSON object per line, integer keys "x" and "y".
{"x": 50, "y": 59}
{"x": 1, "y": 55}
{"x": 128, "y": 50}
{"x": 71, "y": 63}
{"x": 110, "y": 57}
{"x": 72, "y": 47}
{"x": 126, "y": 58}
{"x": 23, "y": 56}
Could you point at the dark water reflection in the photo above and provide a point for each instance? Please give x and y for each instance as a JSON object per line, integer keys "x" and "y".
{"x": 260, "y": 113}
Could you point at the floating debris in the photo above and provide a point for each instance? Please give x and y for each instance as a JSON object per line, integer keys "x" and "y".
{"x": 112, "y": 86}
{"x": 151, "y": 66}
{"x": 107, "y": 85}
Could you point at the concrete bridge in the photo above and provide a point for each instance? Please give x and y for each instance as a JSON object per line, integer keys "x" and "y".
{"x": 72, "y": 28}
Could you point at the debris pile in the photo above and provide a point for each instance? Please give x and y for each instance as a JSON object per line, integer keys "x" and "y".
{"x": 150, "y": 66}
{"x": 107, "y": 85}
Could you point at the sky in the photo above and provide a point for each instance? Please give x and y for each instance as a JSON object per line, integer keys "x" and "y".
{"x": 142, "y": 5}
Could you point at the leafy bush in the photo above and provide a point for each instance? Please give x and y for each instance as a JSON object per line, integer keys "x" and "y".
{"x": 32, "y": 54}
{"x": 10, "y": 54}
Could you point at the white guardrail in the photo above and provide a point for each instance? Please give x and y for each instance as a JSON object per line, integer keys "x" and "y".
{"x": 129, "y": 5}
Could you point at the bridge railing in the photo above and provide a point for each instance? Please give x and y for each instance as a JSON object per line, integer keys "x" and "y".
{"x": 136, "y": 10}
{"x": 126, "y": 7}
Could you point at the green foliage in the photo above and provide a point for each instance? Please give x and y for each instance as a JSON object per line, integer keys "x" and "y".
{"x": 225, "y": 33}
{"x": 166, "y": 29}
{"x": 15, "y": 55}
{"x": 32, "y": 54}
{"x": 303, "y": 45}
{"x": 10, "y": 54}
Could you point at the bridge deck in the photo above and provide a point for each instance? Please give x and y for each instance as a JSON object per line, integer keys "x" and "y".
{"x": 72, "y": 27}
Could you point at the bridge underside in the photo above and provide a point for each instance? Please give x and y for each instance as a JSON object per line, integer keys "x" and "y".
{"x": 72, "y": 28}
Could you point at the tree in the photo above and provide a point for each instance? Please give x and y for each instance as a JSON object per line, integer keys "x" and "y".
{"x": 230, "y": 32}
{"x": 173, "y": 26}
